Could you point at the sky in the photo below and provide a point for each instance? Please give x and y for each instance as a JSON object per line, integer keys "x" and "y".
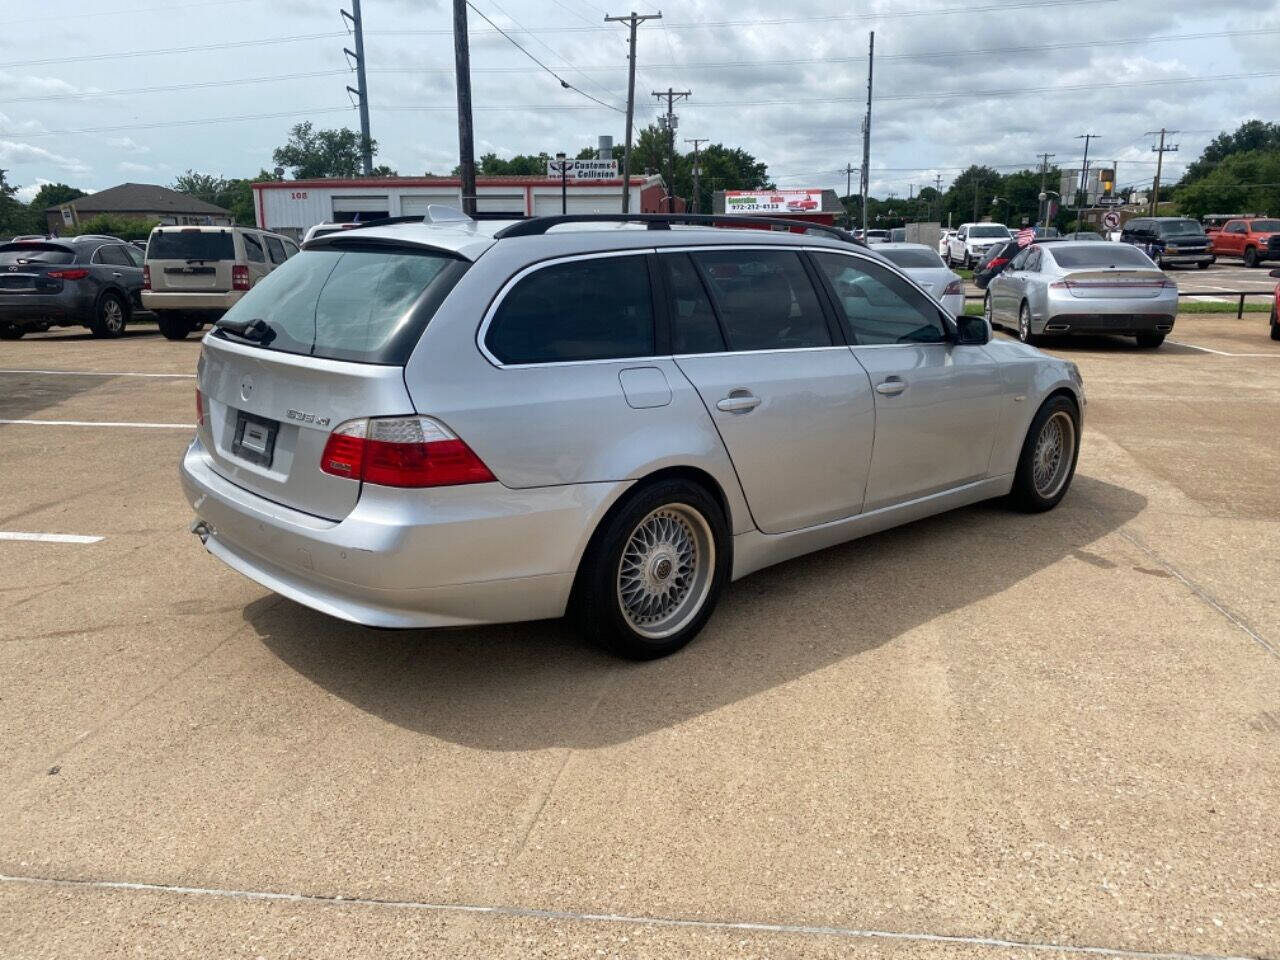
{"x": 99, "y": 92}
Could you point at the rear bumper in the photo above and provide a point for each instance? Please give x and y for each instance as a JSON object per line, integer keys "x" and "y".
{"x": 1123, "y": 316}
{"x": 69, "y": 306}
{"x": 445, "y": 557}
{"x": 1176, "y": 259}
{"x": 193, "y": 302}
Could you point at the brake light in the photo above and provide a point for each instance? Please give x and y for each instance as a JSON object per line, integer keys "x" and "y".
{"x": 239, "y": 277}
{"x": 997, "y": 262}
{"x": 146, "y": 276}
{"x": 401, "y": 452}
{"x": 67, "y": 274}
{"x": 954, "y": 288}
{"x": 199, "y": 408}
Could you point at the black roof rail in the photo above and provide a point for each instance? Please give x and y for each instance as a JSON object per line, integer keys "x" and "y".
{"x": 536, "y": 226}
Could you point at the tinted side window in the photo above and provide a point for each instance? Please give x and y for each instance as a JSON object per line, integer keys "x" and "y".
{"x": 1020, "y": 261}
{"x": 764, "y": 299}
{"x": 134, "y": 255}
{"x": 878, "y": 306}
{"x": 1033, "y": 261}
{"x": 114, "y": 255}
{"x": 290, "y": 248}
{"x": 694, "y": 328}
{"x": 276, "y": 249}
{"x": 595, "y": 309}
{"x": 253, "y": 249}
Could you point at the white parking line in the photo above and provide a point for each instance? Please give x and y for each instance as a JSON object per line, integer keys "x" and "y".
{"x": 103, "y": 423}
{"x": 48, "y": 537}
{"x": 98, "y": 373}
{"x": 1220, "y": 353}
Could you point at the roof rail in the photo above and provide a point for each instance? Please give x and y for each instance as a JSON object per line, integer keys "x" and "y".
{"x": 536, "y": 226}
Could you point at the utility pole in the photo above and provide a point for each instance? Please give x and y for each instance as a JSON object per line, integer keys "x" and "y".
{"x": 668, "y": 123}
{"x": 975, "y": 199}
{"x": 362, "y": 91}
{"x": 697, "y": 173}
{"x": 1083, "y": 196}
{"x": 1159, "y": 151}
{"x": 634, "y": 20}
{"x": 1044, "y": 174}
{"x": 937, "y": 190}
{"x": 466, "y": 133}
{"x": 866, "y": 134}
{"x": 562, "y": 165}
{"x": 848, "y": 190}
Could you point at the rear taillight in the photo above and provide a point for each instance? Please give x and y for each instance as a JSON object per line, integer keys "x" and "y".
{"x": 67, "y": 274}
{"x": 199, "y": 408}
{"x": 401, "y": 452}
{"x": 954, "y": 289}
{"x": 997, "y": 263}
{"x": 239, "y": 277}
{"x": 146, "y": 276}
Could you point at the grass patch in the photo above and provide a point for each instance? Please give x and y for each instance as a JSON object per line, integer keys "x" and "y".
{"x": 962, "y": 273}
{"x": 1230, "y": 306}
{"x": 973, "y": 308}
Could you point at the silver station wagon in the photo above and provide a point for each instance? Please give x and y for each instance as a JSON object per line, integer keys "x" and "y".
{"x": 456, "y": 422}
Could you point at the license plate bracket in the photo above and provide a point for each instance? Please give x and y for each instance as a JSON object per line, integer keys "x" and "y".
{"x": 255, "y": 438}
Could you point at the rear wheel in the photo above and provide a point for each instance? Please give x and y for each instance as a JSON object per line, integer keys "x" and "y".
{"x": 11, "y": 331}
{"x": 1202, "y": 265}
{"x": 1150, "y": 340}
{"x": 173, "y": 327}
{"x": 1048, "y": 460}
{"x": 1275, "y": 325}
{"x": 654, "y": 570}
{"x": 1024, "y": 324}
{"x": 1250, "y": 256}
{"x": 987, "y": 311}
{"x": 112, "y": 315}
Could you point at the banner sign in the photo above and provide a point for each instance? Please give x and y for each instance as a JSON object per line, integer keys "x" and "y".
{"x": 584, "y": 169}
{"x": 772, "y": 201}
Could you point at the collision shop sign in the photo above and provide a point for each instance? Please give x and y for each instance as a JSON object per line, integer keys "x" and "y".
{"x": 772, "y": 201}
{"x": 584, "y": 169}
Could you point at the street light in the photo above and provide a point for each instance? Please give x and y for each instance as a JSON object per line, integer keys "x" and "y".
{"x": 1044, "y": 210}
{"x": 563, "y": 166}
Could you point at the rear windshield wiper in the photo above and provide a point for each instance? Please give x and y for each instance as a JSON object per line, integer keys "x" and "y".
{"x": 255, "y": 330}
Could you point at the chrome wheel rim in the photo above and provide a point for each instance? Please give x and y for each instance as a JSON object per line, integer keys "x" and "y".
{"x": 665, "y": 571}
{"x": 1024, "y": 323}
{"x": 112, "y": 315}
{"x": 1054, "y": 452}
{"x": 986, "y": 309}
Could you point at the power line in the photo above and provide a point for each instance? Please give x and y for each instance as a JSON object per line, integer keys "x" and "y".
{"x": 181, "y": 123}
{"x": 563, "y": 82}
{"x": 198, "y": 85}
{"x": 161, "y": 51}
{"x": 113, "y": 13}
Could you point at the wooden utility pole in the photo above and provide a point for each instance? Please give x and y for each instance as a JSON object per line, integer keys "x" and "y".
{"x": 866, "y": 133}
{"x": 669, "y": 125}
{"x": 697, "y": 173}
{"x": 1083, "y": 194}
{"x": 1159, "y": 151}
{"x": 361, "y": 89}
{"x": 848, "y": 190}
{"x": 1044, "y": 173}
{"x": 634, "y": 20}
{"x": 466, "y": 133}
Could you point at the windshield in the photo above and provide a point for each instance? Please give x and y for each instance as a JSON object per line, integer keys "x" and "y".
{"x": 1180, "y": 228}
{"x": 1101, "y": 255}
{"x": 190, "y": 245}
{"x": 989, "y": 230}
{"x": 922, "y": 257}
{"x": 17, "y": 253}
{"x": 879, "y": 234}
{"x": 1265, "y": 226}
{"x": 350, "y": 303}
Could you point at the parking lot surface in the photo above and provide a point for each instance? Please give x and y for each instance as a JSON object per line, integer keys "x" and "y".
{"x": 985, "y": 734}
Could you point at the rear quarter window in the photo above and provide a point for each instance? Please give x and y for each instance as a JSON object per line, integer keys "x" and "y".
{"x": 190, "y": 245}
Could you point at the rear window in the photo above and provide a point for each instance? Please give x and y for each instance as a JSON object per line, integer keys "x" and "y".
{"x": 360, "y": 304}
{"x": 1180, "y": 228}
{"x": 1101, "y": 255}
{"x": 989, "y": 230}
{"x": 1264, "y": 226}
{"x": 190, "y": 245}
{"x": 18, "y": 253}
{"x": 912, "y": 258}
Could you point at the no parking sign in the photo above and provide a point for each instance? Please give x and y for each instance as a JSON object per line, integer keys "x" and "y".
{"x": 1111, "y": 220}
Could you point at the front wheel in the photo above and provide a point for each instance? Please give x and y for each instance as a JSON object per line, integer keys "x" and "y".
{"x": 112, "y": 314}
{"x": 1202, "y": 265}
{"x": 173, "y": 327}
{"x": 11, "y": 331}
{"x": 1049, "y": 454}
{"x": 1250, "y": 257}
{"x": 652, "y": 575}
{"x": 1150, "y": 340}
{"x": 1275, "y": 325}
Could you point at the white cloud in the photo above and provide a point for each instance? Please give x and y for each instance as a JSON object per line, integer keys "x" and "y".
{"x": 126, "y": 166}
{"x": 128, "y": 145}
{"x": 14, "y": 152}
{"x": 28, "y": 192}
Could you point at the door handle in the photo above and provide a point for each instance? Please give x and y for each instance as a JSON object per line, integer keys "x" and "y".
{"x": 738, "y": 403}
{"x": 891, "y": 387}
{"x": 115, "y": 273}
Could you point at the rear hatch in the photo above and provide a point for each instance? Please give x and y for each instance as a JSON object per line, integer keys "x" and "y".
{"x": 31, "y": 266}
{"x": 191, "y": 260}
{"x": 1117, "y": 284}
{"x": 342, "y": 323}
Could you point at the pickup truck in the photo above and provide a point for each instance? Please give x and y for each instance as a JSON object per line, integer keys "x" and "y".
{"x": 1246, "y": 239}
{"x": 972, "y": 241}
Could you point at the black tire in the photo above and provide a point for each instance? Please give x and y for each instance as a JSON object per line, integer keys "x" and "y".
{"x": 695, "y": 518}
{"x": 1251, "y": 257}
{"x": 173, "y": 327}
{"x": 1275, "y": 325}
{"x": 1028, "y": 495}
{"x": 1024, "y": 324}
{"x": 11, "y": 331}
{"x": 1150, "y": 340}
{"x": 1202, "y": 265}
{"x": 110, "y": 317}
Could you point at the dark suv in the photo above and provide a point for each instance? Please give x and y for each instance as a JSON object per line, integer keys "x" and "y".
{"x": 1169, "y": 241}
{"x": 89, "y": 281}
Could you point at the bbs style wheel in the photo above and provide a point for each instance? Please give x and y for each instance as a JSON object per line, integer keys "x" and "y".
{"x": 1049, "y": 454}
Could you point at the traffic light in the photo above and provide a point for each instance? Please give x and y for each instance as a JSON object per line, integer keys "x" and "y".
{"x": 1107, "y": 180}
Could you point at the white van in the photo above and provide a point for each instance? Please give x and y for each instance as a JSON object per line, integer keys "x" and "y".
{"x": 193, "y": 275}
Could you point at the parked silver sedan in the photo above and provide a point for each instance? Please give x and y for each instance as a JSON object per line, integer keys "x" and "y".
{"x": 456, "y": 422}
{"x": 1079, "y": 287}
{"x": 922, "y": 264}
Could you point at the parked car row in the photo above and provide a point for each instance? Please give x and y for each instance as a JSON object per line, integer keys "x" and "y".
{"x": 187, "y": 277}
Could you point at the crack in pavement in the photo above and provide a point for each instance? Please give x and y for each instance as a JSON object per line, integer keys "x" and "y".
{"x": 536, "y": 913}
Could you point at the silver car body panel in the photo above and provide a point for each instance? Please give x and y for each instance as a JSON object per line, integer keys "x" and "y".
{"x": 828, "y": 458}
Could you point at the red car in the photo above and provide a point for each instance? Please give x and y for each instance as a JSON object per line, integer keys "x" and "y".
{"x": 800, "y": 205}
{"x": 1246, "y": 239}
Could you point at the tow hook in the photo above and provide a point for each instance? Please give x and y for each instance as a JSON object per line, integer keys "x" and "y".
{"x": 202, "y": 530}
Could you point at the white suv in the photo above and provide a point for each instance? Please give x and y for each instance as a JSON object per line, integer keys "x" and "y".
{"x": 973, "y": 240}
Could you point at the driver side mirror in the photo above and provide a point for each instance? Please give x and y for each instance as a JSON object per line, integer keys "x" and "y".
{"x": 972, "y": 331}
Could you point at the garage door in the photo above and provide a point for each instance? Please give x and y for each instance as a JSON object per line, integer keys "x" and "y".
{"x": 364, "y": 208}
{"x": 416, "y": 205}
{"x": 546, "y": 205}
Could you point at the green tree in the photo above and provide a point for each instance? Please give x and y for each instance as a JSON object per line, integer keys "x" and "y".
{"x": 53, "y": 195}
{"x": 971, "y": 191}
{"x": 1240, "y": 182}
{"x": 312, "y": 153}
{"x": 14, "y": 216}
{"x": 1249, "y": 136}
{"x": 114, "y": 225}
